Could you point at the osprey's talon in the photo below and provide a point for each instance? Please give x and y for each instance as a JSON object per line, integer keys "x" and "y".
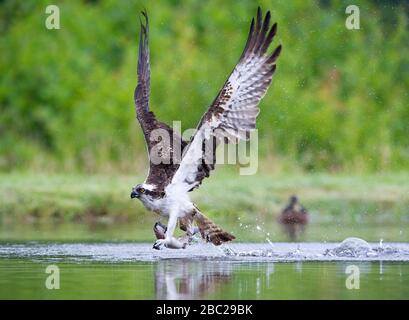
{"x": 159, "y": 244}
{"x": 172, "y": 243}
{"x": 160, "y": 230}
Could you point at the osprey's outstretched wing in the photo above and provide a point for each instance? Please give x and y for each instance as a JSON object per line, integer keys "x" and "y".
{"x": 233, "y": 113}
{"x": 162, "y": 167}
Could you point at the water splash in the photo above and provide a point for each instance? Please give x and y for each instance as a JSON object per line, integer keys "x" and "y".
{"x": 269, "y": 242}
{"x": 352, "y": 247}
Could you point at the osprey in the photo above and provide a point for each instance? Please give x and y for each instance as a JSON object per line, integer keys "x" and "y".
{"x": 177, "y": 166}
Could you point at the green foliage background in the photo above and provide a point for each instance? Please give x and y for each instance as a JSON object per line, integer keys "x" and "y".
{"x": 339, "y": 100}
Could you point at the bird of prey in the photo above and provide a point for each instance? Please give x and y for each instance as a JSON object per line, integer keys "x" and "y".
{"x": 294, "y": 218}
{"x": 177, "y": 166}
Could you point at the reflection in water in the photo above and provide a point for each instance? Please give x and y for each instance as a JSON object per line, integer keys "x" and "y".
{"x": 178, "y": 279}
{"x": 23, "y": 278}
{"x": 269, "y": 273}
{"x": 298, "y": 266}
{"x": 184, "y": 279}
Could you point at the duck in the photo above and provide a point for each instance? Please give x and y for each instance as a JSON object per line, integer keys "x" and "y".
{"x": 294, "y": 218}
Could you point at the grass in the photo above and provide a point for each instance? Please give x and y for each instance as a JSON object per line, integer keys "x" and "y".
{"x": 375, "y": 198}
{"x": 374, "y": 206}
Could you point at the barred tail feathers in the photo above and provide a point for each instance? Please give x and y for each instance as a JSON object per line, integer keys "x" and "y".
{"x": 210, "y": 231}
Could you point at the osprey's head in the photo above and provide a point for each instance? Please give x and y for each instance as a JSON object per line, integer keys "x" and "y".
{"x": 142, "y": 191}
{"x": 147, "y": 194}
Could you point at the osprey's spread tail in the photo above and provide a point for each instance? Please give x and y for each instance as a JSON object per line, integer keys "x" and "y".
{"x": 210, "y": 231}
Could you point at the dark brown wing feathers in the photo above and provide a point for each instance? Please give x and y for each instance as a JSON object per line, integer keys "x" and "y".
{"x": 160, "y": 174}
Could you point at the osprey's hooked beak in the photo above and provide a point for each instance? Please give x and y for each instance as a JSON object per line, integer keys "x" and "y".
{"x": 134, "y": 194}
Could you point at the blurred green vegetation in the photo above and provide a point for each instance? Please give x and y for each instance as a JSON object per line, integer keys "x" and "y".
{"x": 339, "y": 100}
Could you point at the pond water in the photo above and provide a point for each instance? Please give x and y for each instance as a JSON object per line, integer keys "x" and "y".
{"x": 237, "y": 271}
{"x": 262, "y": 266}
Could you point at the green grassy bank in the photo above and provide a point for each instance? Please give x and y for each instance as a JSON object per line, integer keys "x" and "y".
{"x": 375, "y": 198}
{"x": 35, "y": 207}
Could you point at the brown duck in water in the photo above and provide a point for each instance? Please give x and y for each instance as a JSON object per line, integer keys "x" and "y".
{"x": 293, "y": 218}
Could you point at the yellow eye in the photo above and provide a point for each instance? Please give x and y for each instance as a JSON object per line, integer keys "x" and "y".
{"x": 142, "y": 190}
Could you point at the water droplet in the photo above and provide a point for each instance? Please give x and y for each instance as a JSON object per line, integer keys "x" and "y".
{"x": 269, "y": 242}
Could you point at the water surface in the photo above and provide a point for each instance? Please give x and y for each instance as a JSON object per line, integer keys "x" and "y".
{"x": 240, "y": 271}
